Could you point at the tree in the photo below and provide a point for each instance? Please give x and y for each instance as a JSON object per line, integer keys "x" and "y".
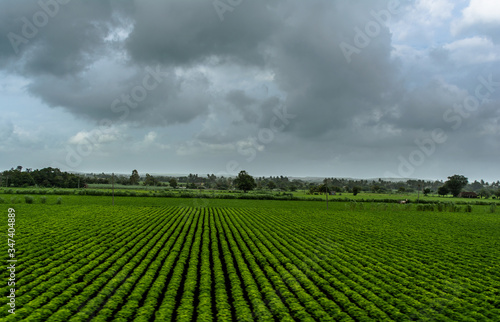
{"x": 150, "y": 180}
{"x": 192, "y": 178}
{"x": 356, "y": 190}
{"x": 135, "y": 178}
{"x": 337, "y": 189}
{"x": 476, "y": 186}
{"x": 456, "y": 183}
{"x": 47, "y": 177}
{"x": 484, "y": 193}
{"x": 443, "y": 190}
{"x": 212, "y": 180}
{"x": 323, "y": 188}
{"x": 244, "y": 181}
{"x": 173, "y": 183}
{"x": 427, "y": 191}
{"x": 271, "y": 185}
{"x": 222, "y": 183}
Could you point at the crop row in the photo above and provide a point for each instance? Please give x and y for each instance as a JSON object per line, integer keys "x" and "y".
{"x": 332, "y": 259}
{"x": 55, "y": 248}
{"x": 80, "y": 279}
{"x": 246, "y": 264}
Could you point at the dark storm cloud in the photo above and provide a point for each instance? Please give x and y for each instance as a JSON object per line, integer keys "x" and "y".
{"x": 423, "y": 107}
{"x": 298, "y": 41}
{"x": 11, "y": 12}
{"x": 324, "y": 90}
{"x": 60, "y": 58}
{"x": 92, "y": 58}
{"x": 186, "y": 32}
{"x": 55, "y": 38}
{"x": 172, "y": 99}
{"x": 239, "y": 100}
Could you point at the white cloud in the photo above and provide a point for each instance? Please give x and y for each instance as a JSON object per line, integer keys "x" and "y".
{"x": 479, "y": 12}
{"x": 474, "y": 50}
{"x": 96, "y": 137}
{"x": 482, "y": 11}
{"x": 423, "y": 22}
{"x": 150, "y": 137}
{"x": 431, "y": 11}
{"x": 15, "y": 136}
{"x": 12, "y": 84}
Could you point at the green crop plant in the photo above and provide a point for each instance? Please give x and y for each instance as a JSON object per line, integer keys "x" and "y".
{"x": 253, "y": 260}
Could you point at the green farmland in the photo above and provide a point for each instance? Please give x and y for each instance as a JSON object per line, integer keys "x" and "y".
{"x": 168, "y": 259}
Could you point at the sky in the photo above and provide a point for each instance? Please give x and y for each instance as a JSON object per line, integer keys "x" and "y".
{"x": 320, "y": 88}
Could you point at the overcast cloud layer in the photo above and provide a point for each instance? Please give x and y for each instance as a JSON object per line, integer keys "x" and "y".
{"x": 300, "y": 88}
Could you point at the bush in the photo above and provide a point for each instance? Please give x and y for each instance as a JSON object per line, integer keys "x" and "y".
{"x": 453, "y": 208}
{"x": 493, "y": 208}
{"x": 468, "y": 208}
{"x": 2, "y": 200}
{"x": 95, "y": 192}
{"x": 59, "y": 201}
{"x": 14, "y": 200}
{"x": 120, "y": 193}
{"x": 29, "y": 199}
{"x": 43, "y": 199}
{"x": 426, "y": 207}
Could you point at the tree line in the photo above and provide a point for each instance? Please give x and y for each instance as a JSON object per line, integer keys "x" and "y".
{"x": 53, "y": 177}
{"x": 46, "y": 177}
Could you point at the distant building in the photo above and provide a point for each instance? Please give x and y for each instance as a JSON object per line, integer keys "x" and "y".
{"x": 466, "y": 194}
